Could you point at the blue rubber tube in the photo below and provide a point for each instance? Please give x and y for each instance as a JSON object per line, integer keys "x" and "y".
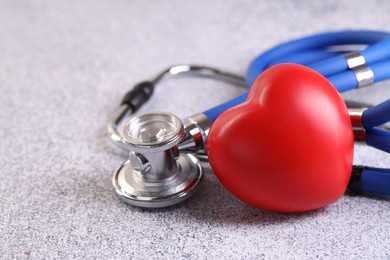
{"x": 304, "y": 57}
{"x": 377, "y": 52}
{"x": 372, "y": 54}
{"x": 214, "y": 112}
{"x": 312, "y": 52}
{"x": 376, "y": 115}
{"x": 330, "y": 66}
{"x": 381, "y": 70}
{"x": 344, "y": 81}
{"x": 378, "y": 138}
{"x": 375, "y": 180}
{"x": 319, "y": 41}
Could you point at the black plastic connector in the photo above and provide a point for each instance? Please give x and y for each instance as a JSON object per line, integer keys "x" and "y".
{"x": 138, "y": 96}
{"x": 355, "y": 180}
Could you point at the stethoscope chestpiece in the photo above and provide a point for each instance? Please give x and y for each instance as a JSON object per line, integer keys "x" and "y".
{"x": 156, "y": 173}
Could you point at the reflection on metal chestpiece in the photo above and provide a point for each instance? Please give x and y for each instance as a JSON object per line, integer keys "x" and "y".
{"x": 141, "y": 93}
{"x": 156, "y": 174}
{"x": 197, "y": 129}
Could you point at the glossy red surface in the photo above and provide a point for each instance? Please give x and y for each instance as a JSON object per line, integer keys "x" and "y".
{"x": 289, "y": 147}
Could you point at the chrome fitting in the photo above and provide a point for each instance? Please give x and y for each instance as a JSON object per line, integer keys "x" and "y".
{"x": 355, "y": 115}
{"x": 197, "y": 128}
{"x": 354, "y": 59}
{"x": 357, "y": 63}
{"x": 155, "y": 174}
{"x": 364, "y": 75}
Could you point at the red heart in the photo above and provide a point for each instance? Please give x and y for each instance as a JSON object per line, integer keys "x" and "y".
{"x": 289, "y": 147}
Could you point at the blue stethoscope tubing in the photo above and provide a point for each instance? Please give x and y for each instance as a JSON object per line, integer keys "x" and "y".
{"x": 314, "y": 52}
{"x": 318, "y": 52}
{"x": 376, "y": 180}
{"x": 373, "y": 117}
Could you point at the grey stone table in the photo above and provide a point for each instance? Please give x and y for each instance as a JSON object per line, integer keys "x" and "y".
{"x": 64, "y": 66}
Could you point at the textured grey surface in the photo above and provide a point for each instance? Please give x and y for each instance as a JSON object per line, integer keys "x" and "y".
{"x": 64, "y": 66}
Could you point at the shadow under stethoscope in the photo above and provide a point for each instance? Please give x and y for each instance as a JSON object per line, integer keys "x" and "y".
{"x": 213, "y": 204}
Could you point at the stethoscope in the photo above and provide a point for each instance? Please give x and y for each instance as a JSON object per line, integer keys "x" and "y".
{"x": 295, "y": 87}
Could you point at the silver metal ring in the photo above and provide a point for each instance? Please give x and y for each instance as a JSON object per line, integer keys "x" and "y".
{"x": 364, "y": 75}
{"x": 357, "y": 126}
{"x": 357, "y": 63}
{"x": 354, "y": 59}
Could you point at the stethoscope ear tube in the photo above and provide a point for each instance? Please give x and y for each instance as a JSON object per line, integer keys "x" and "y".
{"x": 370, "y": 180}
{"x": 372, "y": 118}
{"x": 376, "y": 115}
{"x": 379, "y": 139}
